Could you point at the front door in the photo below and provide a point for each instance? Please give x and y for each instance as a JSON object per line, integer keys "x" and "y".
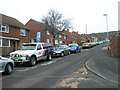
{"x": 13, "y": 46}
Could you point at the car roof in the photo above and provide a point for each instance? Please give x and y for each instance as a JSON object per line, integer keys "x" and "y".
{"x": 32, "y": 43}
{"x": 37, "y": 43}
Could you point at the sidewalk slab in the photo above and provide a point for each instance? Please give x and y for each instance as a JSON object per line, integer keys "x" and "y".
{"x": 104, "y": 65}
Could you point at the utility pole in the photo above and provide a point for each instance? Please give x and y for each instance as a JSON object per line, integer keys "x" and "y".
{"x": 106, "y": 25}
{"x": 86, "y": 28}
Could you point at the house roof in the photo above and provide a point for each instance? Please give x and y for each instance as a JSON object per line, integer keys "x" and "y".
{"x": 37, "y": 22}
{"x": 12, "y": 22}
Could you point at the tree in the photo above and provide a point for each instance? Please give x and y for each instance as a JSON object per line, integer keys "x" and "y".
{"x": 55, "y": 23}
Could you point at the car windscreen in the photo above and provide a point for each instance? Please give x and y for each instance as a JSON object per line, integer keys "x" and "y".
{"x": 72, "y": 45}
{"x": 86, "y": 44}
{"x": 29, "y": 47}
{"x": 59, "y": 47}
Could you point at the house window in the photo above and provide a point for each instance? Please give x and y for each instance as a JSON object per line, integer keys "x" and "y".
{"x": 48, "y": 33}
{"x": 61, "y": 42}
{"x": 4, "y": 28}
{"x": 0, "y": 42}
{"x": 65, "y": 37}
{"x": 22, "y": 32}
{"x": 60, "y": 36}
{"x": 48, "y": 40}
{"x": 56, "y": 41}
{"x": 0, "y": 27}
{"x": 4, "y": 42}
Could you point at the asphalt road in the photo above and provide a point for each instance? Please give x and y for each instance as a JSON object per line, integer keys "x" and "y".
{"x": 48, "y": 74}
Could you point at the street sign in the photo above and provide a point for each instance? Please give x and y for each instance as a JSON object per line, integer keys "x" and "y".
{"x": 38, "y": 36}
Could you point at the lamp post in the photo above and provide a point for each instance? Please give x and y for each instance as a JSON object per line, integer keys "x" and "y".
{"x": 106, "y": 25}
{"x": 86, "y": 28}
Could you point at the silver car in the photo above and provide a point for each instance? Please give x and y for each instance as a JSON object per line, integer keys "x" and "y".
{"x": 61, "y": 50}
{"x": 6, "y": 65}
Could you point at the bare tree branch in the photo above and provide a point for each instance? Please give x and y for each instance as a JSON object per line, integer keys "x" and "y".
{"x": 55, "y": 23}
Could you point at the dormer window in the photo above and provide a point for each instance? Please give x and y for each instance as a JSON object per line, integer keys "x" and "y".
{"x": 4, "y": 28}
{"x": 22, "y": 32}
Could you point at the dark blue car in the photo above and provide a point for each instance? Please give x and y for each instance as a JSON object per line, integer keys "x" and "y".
{"x": 74, "y": 48}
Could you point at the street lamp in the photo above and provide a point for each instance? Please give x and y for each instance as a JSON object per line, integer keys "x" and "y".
{"x": 106, "y": 25}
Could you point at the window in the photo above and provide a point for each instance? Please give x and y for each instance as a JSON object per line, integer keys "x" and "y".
{"x": 65, "y": 37}
{"x": 4, "y": 42}
{"x": 4, "y": 28}
{"x": 28, "y": 47}
{"x": 39, "y": 47}
{"x": 48, "y": 40}
{"x": 61, "y": 42}
{"x": 60, "y": 36}
{"x": 22, "y": 32}
{"x": 56, "y": 41}
{"x": 0, "y": 27}
{"x": 0, "y": 42}
{"x": 48, "y": 33}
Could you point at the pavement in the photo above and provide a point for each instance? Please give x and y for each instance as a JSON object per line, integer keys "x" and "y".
{"x": 104, "y": 65}
{"x": 99, "y": 64}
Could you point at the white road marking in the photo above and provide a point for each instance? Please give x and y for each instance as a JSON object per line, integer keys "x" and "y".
{"x": 44, "y": 64}
{"x": 23, "y": 69}
{"x": 85, "y": 49}
{"x": 58, "y": 58}
{"x": 72, "y": 54}
{"x": 27, "y": 68}
{"x": 51, "y": 62}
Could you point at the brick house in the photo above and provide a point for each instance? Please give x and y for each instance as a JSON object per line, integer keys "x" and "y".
{"x": 72, "y": 37}
{"x": 12, "y": 34}
{"x": 77, "y": 37}
{"x": 87, "y": 38}
{"x": 69, "y": 38}
{"x": 46, "y": 36}
{"x": 61, "y": 39}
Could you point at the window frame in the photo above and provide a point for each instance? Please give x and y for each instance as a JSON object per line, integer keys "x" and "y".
{"x": 6, "y": 28}
{"x": 60, "y": 36}
{"x": 65, "y": 37}
{"x": 48, "y": 40}
{"x": 47, "y": 32}
{"x": 1, "y": 44}
{"x": 23, "y": 33}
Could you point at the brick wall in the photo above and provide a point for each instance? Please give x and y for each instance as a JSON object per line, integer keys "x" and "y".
{"x": 15, "y": 33}
{"x": 115, "y": 46}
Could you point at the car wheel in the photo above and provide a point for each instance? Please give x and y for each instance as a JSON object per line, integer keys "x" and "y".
{"x": 49, "y": 57}
{"x": 33, "y": 61}
{"x": 77, "y": 51}
{"x": 80, "y": 50}
{"x": 62, "y": 54}
{"x": 8, "y": 69}
{"x": 69, "y": 53}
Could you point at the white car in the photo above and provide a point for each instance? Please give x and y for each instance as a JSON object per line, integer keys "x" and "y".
{"x": 6, "y": 65}
{"x": 32, "y": 52}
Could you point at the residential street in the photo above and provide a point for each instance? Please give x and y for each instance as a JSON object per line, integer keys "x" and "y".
{"x": 55, "y": 73}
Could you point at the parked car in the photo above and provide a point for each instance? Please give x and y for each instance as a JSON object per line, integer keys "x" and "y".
{"x": 6, "y": 65}
{"x": 32, "y": 52}
{"x": 86, "y": 45}
{"x": 74, "y": 48}
{"x": 93, "y": 44}
{"x": 61, "y": 50}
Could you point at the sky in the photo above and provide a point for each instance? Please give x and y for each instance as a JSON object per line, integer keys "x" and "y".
{"x": 82, "y": 12}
